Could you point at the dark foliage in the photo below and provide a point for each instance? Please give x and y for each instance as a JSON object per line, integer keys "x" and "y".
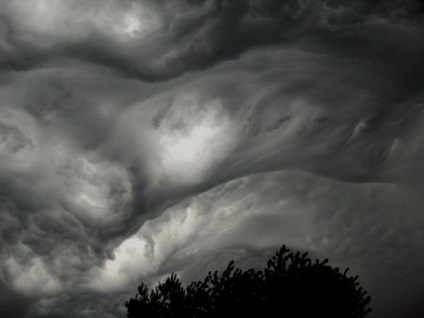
{"x": 291, "y": 285}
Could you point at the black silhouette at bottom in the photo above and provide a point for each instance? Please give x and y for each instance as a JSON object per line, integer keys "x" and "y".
{"x": 291, "y": 285}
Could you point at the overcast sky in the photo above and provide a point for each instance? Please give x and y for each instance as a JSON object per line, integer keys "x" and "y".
{"x": 140, "y": 138}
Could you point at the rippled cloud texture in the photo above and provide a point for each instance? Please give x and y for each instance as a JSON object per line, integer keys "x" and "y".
{"x": 139, "y": 138}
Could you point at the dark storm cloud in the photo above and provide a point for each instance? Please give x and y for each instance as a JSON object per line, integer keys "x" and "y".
{"x": 13, "y": 304}
{"x": 295, "y": 122}
{"x": 291, "y": 117}
{"x": 188, "y": 36}
{"x": 183, "y": 35}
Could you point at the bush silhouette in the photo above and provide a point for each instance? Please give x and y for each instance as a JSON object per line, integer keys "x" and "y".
{"x": 291, "y": 285}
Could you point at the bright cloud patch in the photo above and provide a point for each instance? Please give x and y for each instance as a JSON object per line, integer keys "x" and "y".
{"x": 76, "y": 19}
{"x": 33, "y": 277}
{"x": 193, "y": 135}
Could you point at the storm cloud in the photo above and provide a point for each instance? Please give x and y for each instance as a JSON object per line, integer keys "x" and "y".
{"x": 140, "y": 138}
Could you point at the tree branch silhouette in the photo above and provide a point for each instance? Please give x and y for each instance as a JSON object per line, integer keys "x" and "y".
{"x": 291, "y": 285}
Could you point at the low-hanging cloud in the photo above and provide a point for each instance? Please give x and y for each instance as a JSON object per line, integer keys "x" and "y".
{"x": 139, "y": 138}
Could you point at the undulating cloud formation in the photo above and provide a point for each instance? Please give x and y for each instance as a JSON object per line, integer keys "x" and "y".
{"x": 144, "y": 137}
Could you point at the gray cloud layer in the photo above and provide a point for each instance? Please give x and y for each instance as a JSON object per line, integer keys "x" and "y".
{"x": 139, "y": 138}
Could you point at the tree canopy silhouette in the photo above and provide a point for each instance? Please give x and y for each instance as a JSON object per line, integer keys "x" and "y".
{"x": 291, "y": 285}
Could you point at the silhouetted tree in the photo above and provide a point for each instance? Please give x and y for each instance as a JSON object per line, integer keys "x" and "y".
{"x": 291, "y": 285}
